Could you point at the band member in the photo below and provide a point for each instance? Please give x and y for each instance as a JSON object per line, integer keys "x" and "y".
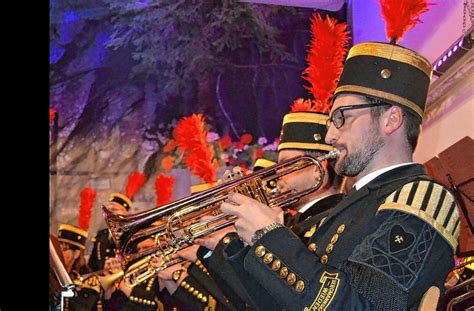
{"x": 390, "y": 241}
{"x": 72, "y": 242}
{"x": 104, "y": 246}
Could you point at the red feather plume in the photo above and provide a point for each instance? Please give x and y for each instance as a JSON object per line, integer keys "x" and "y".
{"x": 87, "y": 202}
{"x": 52, "y": 115}
{"x": 301, "y": 104}
{"x": 164, "y": 188}
{"x": 325, "y": 58}
{"x": 136, "y": 180}
{"x": 191, "y": 136}
{"x": 402, "y": 15}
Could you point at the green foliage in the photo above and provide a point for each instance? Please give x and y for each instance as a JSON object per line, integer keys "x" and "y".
{"x": 184, "y": 42}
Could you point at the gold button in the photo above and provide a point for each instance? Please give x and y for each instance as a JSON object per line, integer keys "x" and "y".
{"x": 334, "y": 238}
{"x": 283, "y": 272}
{"x": 268, "y": 258}
{"x": 341, "y": 228}
{"x": 199, "y": 296}
{"x": 140, "y": 300}
{"x": 329, "y": 248}
{"x": 291, "y": 279}
{"x": 204, "y": 299}
{"x": 260, "y": 251}
{"x": 385, "y": 73}
{"x": 317, "y": 137}
{"x": 312, "y": 247}
{"x": 79, "y": 237}
{"x": 195, "y": 292}
{"x": 107, "y": 250}
{"x": 191, "y": 289}
{"x": 276, "y": 265}
{"x": 299, "y": 286}
{"x": 324, "y": 259}
{"x": 226, "y": 240}
{"x": 187, "y": 286}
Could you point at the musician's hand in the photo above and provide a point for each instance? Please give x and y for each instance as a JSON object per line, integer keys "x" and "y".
{"x": 166, "y": 278}
{"x": 252, "y": 215}
{"x": 210, "y": 241}
{"x": 112, "y": 265}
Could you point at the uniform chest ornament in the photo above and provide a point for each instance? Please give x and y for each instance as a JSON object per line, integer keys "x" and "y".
{"x": 400, "y": 239}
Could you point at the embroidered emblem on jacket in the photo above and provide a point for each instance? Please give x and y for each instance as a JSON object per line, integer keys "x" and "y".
{"x": 327, "y": 292}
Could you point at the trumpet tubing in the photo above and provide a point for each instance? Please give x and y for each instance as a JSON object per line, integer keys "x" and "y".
{"x": 148, "y": 267}
{"x": 180, "y": 221}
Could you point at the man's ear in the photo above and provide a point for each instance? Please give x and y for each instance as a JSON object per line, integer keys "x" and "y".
{"x": 393, "y": 119}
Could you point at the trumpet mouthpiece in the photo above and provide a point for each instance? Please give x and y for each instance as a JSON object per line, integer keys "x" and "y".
{"x": 333, "y": 154}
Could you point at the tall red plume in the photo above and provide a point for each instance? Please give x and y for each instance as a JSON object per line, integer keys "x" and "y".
{"x": 136, "y": 180}
{"x": 164, "y": 188}
{"x": 325, "y": 59}
{"x": 301, "y": 104}
{"x": 402, "y": 15}
{"x": 87, "y": 202}
{"x": 52, "y": 114}
{"x": 191, "y": 136}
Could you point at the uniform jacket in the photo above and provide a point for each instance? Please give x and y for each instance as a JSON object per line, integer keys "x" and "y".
{"x": 382, "y": 247}
{"x": 103, "y": 247}
{"x": 88, "y": 297}
{"x": 241, "y": 288}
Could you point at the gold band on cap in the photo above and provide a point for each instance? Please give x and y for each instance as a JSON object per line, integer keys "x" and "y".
{"x": 71, "y": 228}
{"x": 121, "y": 196}
{"x": 392, "y": 52}
{"x": 202, "y": 187}
{"x": 264, "y": 163}
{"x": 306, "y": 117}
{"x": 308, "y": 146}
{"x": 372, "y": 92}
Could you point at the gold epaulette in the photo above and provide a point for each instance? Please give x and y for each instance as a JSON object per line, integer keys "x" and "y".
{"x": 91, "y": 282}
{"x": 431, "y": 203}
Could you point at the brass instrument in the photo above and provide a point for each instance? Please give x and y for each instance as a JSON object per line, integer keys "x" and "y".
{"x": 180, "y": 222}
{"x": 143, "y": 269}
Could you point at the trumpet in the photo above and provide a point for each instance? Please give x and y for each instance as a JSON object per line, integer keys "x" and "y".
{"x": 147, "y": 267}
{"x": 180, "y": 221}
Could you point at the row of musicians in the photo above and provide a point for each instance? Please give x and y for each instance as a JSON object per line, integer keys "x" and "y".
{"x": 200, "y": 283}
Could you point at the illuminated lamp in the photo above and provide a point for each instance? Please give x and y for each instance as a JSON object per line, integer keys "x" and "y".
{"x": 455, "y": 52}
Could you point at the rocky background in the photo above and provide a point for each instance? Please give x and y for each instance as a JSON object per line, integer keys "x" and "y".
{"x": 118, "y": 91}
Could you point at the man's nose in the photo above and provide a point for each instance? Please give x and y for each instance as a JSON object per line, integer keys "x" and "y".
{"x": 331, "y": 135}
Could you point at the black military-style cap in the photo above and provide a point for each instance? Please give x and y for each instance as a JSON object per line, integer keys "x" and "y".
{"x": 304, "y": 130}
{"x": 121, "y": 199}
{"x": 387, "y": 72}
{"x": 73, "y": 235}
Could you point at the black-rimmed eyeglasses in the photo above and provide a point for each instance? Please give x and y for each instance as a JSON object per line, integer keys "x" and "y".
{"x": 337, "y": 117}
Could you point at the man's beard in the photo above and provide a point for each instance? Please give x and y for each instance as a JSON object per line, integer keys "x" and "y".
{"x": 357, "y": 161}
